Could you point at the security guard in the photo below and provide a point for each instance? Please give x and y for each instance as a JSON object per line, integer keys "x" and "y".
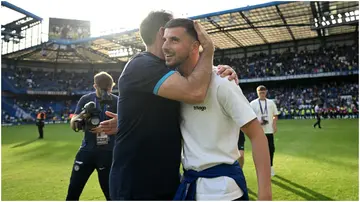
{"x": 96, "y": 149}
{"x": 308, "y": 113}
{"x": 297, "y": 114}
{"x": 312, "y": 113}
{"x": 40, "y": 122}
{"x": 286, "y": 113}
{"x": 303, "y": 113}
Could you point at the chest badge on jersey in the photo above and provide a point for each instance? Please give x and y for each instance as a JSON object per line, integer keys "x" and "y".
{"x": 102, "y": 139}
{"x": 200, "y": 108}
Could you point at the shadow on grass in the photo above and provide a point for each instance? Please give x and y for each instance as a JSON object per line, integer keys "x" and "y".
{"x": 252, "y": 195}
{"x": 25, "y": 143}
{"x": 305, "y": 192}
{"x": 47, "y": 151}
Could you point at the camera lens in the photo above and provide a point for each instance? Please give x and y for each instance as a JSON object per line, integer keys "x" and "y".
{"x": 95, "y": 121}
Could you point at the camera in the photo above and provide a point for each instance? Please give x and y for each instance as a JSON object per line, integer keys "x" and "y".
{"x": 264, "y": 120}
{"x": 91, "y": 117}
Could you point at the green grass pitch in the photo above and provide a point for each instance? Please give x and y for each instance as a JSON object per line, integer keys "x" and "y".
{"x": 310, "y": 164}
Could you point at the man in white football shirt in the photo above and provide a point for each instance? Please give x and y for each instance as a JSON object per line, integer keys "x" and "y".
{"x": 317, "y": 112}
{"x": 211, "y": 129}
{"x": 267, "y": 113}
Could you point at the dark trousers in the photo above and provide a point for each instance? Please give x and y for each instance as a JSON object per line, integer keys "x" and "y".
{"x": 318, "y": 121}
{"x": 41, "y": 131}
{"x": 85, "y": 163}
{"x": 270, "y": 138}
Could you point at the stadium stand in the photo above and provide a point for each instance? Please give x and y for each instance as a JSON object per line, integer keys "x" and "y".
{"x": 327, "y": 59}
{"x": 293, "y": 48}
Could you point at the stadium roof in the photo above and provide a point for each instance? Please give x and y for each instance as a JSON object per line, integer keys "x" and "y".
{"x": 240, "y": 27}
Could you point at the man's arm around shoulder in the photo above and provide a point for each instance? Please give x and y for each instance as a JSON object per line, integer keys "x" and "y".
{"x": 192, "y": 89}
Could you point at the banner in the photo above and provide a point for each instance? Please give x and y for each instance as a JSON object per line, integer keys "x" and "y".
{"x": 300, "y": 76}
{"x": 21, "y": 113}
{"x": 41, "y": 92}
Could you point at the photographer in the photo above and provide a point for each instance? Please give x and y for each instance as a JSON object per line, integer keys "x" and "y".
{"x": 96, "y": 148}
{"x": 267, "y": 114}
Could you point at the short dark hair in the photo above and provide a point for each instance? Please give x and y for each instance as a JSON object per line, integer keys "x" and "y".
{"x": 103, "y": 80}
{"x": 150, "y": 26}
{"x": 261, "y": 88}
{"x": 185, "y": 23}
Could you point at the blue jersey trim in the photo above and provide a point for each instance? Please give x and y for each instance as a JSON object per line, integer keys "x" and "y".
{"x": 161, "y": 81}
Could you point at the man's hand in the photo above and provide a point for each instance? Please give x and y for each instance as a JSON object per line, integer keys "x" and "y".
{"x": 109, "y": 127}
{"x": 226, "y": 70}
{"x": 97, "y": 130}
{"x": 204, "y": 38}
{"x": 73, "y": 126}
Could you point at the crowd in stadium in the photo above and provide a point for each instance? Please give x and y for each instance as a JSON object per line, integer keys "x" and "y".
{"x": 27, "y": 78}
{"x": 339, "y": 99}
{"x": 328, "y": 59}
{"x": 54, "y": 110}
{"x": 292, "y": 102}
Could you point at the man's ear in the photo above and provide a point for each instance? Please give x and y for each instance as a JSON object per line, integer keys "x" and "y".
{"x": 162, "y": 31}
{"x": 196, "y": 46}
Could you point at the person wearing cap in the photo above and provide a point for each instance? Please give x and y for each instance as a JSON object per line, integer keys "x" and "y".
{"x": 267, "y": 113}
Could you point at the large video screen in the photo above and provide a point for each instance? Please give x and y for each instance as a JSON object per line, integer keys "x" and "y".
{"x": 68, "y": 29}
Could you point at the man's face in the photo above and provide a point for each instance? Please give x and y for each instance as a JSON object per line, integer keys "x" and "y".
{"x": 262, "y": 93}
{"x": 109, "y": 89}
{"x": 177, "y": 46}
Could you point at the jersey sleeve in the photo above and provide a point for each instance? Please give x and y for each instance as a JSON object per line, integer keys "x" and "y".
{"x": 142, "y": 74}
{"x": 234, "y": 103}
{"x": 80, "y": 105}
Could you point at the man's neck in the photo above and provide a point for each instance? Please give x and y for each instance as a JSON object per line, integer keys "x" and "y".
{"x": 262, "y": 98}
{"x": 188, "y": 66}
{"x": 155, "y": 51}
